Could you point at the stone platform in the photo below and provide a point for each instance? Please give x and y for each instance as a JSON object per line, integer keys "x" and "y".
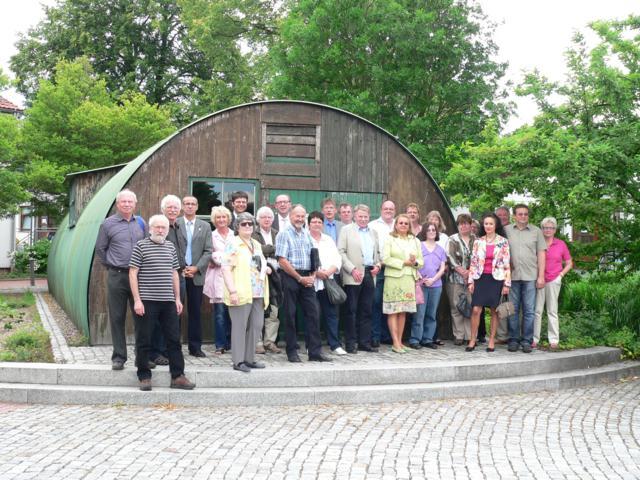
{"x": 83, "y": 376}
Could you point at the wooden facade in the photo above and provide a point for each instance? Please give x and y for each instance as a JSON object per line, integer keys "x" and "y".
{"x": 281, "y": 146}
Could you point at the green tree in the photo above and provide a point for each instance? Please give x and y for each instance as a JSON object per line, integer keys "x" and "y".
{"x": 75, "y": 124}
{"x": 580, "y": 161}
{"x": 234, "y": 36}
{"x": 422, "y": 70}
{"x": 139, "y": 45}
{"x": 12, "y": 193}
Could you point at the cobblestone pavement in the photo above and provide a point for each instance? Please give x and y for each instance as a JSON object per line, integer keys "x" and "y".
{"x": 588, "y": 433}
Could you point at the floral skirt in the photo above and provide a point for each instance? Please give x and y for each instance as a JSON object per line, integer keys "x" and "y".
{"x": 399, "y": 294}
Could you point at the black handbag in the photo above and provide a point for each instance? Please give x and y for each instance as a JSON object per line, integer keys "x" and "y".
{"x": 334, "y": 292}
{"x": 315, "y": 259}
{"x": 464, "y": 304}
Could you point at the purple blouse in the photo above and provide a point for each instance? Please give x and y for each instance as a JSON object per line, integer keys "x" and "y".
{"x": 432, "y": 262}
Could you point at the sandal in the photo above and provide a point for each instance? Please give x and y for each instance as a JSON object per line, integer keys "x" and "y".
{"x": 439, "y": 342}
{"x": 219, "y": 351}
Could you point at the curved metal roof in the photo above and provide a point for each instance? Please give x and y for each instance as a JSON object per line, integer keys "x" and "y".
{"x": 72, "y": 250}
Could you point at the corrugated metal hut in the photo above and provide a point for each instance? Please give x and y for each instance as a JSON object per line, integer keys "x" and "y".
{"x": 307, "y": 150}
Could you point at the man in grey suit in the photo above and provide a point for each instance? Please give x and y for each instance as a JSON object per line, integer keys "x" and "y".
{"x": 197, "y": 234}
{"x": 358, "y": 247}
{"x": 332, "y": 226}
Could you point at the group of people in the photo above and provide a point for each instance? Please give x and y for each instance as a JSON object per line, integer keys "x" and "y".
{"x": 257, "y": 271}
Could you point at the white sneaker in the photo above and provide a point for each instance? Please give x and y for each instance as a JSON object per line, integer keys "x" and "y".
{"x": 339, "y": 351}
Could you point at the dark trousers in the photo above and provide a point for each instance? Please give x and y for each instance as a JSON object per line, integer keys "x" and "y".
{"x": 118, "y": 295}
{"x": 194, "y": 304}
{"x": 165, "y": 314}
{"x": 357, "y": 327}
{"x": 330, "y": 315}
{"x": 379, "y": 327}
{"x": 306, "y": 298}
{"x": 159, "y": 345}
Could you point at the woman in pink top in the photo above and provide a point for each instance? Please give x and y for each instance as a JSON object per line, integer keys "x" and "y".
{"x": 214, "y": 282}
{"x": 558, "y": 264}
{"x": 489, "y": 275}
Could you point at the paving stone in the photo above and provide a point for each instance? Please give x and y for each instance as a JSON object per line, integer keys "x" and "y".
{"x": 584, "y": 433}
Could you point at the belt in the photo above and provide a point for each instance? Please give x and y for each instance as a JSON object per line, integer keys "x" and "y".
{"x": 304, "y": 273}
{"x": 369, "y": 268}
{"x": 118, "y": 269}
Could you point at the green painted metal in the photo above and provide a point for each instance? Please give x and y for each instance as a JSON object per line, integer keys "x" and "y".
{"x": 312, "y": 199}
{"x": 71, "y": 257}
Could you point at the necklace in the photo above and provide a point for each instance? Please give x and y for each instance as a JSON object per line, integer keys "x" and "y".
{"x": 249, "y": 245}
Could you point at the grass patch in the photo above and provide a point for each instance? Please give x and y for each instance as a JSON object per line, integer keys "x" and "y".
{"x": 22, "y": 337}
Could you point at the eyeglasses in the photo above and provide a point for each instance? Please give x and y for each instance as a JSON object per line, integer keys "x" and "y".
{"x": 246, "y": 224}
{"x": 548, "y": 228}
{"x": 403, "y": 223}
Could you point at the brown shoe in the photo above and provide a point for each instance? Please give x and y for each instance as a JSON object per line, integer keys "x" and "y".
{"x": 260, "y": 349}
{"x": 272, "y": 348}
{"x": 145, "y": 385}
{"x": 182, "y": 383}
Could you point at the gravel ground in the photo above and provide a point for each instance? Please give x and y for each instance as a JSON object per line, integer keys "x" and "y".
{"x": 72, "y": 335}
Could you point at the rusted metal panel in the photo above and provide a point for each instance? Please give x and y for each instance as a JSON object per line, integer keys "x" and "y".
{"x": 291, "y": 113}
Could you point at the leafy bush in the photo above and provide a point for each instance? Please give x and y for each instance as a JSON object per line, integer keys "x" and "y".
{"x": 27, "y": 346}
{"x": 601, "y": 308}
{"x": 39, "y": 251}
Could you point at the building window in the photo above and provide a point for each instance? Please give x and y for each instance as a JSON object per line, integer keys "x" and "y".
{"x": 212, "y": 192}
{"x": 25, "y": 219}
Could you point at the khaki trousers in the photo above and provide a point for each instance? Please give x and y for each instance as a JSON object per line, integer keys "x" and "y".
{"x": 461, "y": 326}
{"x": 548, "y": 296}
{"x": 271, "y": 326}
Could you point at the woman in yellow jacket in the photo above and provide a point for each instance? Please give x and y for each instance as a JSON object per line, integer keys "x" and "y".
{"x": 402, "y": 258}
{"x": 246, "y": 293}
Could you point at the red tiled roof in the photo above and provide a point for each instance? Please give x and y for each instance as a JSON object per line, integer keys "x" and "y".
{"x": 6, "y": 105}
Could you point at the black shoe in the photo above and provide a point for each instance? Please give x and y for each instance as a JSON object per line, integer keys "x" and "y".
{"x": 241, "y": 367}
{"x": 457, "y": 342}
{"x": 415, "y": 346}
{"x": 470, "y": 349}
{"x": 490, "y": 350}
{"x": 526, "y": 348}
{"x": 117, "y": 365}
{"x": 145, "y": 385}
{"x": 199, "y": 354}
{"x": 513, "y": 347}
{"x": 254, "y": 364}
{"x": 375, "y": 343}
{"x": 482, "y": 340}
{"x": 439, "y": 342}
{"x": 161, "y": 360}
{"x": 319, "y": 358}
{"x": 351, "y": 350}
{"x": 431, "y": 345}
{"x": 368, "y": 349}
{"x": 294, "y": 358}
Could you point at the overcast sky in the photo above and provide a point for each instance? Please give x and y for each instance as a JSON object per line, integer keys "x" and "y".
{"x": 531, "y": 34}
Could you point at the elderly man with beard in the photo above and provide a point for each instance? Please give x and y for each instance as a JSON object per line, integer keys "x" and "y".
{"x": 153, "y": 275}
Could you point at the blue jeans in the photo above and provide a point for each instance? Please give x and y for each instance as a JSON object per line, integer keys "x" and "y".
{"x": 379, "y": 327}
{"x": 330, "y": 316}
{"x": 523, "y": 296}
{"x": 423, "y": 325}
{"x": 222, "y": 324}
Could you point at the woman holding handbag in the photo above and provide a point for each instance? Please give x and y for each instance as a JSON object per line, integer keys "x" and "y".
{"x": 330, "y": 264}
{"x": 459, "y": 256}
{"x": 423, "y": 326}
{"x": 489, "y": 275}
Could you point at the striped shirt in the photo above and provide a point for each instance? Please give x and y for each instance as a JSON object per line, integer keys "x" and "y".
{"x": 156, "y": 263}
{"x": 295, "y": 247}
